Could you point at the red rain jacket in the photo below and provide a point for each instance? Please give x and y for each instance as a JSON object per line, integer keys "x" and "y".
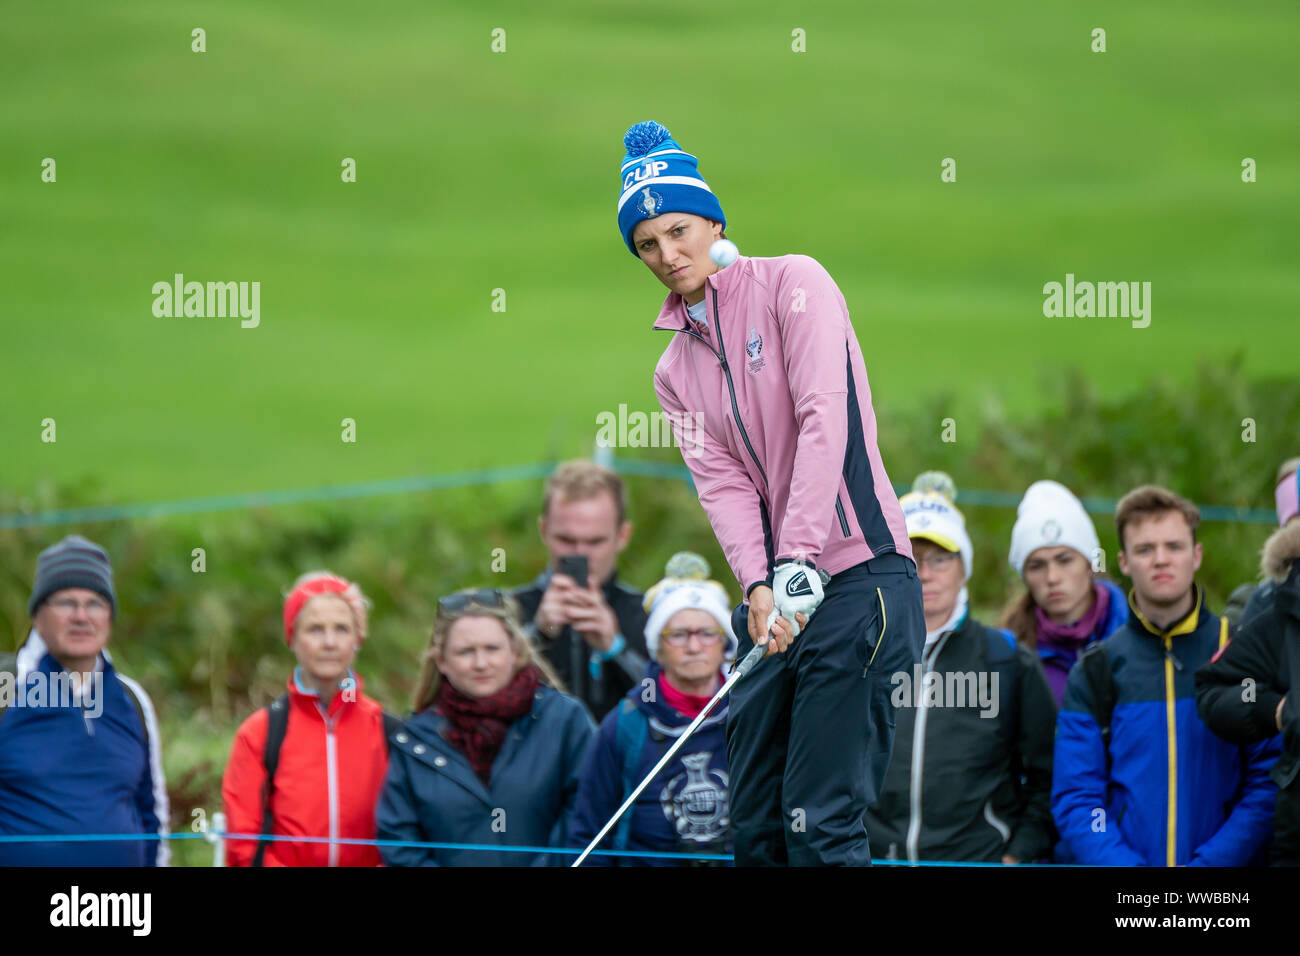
{"x": 326, "y": 784}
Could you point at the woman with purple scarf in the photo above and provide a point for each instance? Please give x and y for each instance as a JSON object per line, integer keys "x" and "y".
{"x": 1067, "y": 606}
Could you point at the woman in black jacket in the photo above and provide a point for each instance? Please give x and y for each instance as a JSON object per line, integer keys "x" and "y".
{"x": 971, "y": 774}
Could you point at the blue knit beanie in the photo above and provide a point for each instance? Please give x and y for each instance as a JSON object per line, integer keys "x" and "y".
{"x": 660, "y": 177}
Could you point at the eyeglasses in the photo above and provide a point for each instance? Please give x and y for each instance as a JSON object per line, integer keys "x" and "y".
{"x": 486, "y": 597}
{"x": 678, "y": 636}
{"x": 937, "y": 560}
{"x": 94, "y": 607}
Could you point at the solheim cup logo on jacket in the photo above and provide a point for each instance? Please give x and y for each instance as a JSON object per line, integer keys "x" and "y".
{"x": 698, "y": 810}
{"x": 754, "y": 349}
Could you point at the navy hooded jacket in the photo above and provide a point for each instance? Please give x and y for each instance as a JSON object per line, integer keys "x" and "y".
{"x": 685, "y": 809}
{"x": 65, "y": 770}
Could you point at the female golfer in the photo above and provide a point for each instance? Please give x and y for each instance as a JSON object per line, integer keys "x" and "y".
{"x": 765, "y": 386}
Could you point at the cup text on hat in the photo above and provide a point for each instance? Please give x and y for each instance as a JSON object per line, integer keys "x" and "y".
{"x": 645, "y": 171}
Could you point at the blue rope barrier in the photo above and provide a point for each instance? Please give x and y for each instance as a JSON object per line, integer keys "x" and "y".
{"x": 490, "y": 476}
{"x": 994, "y": 499}
{"x": 343, "y": 841}
{"x": 487, "y": 847}
{"x": 98, "y": 837}
{"x": 284, "y": 496}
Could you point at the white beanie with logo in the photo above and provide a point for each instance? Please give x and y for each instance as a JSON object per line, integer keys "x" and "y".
{"x": 686, "y": 586}
{"x": 1049, "y": 515}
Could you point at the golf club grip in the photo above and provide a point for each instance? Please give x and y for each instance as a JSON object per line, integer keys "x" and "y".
{"x": 756, "y": 654}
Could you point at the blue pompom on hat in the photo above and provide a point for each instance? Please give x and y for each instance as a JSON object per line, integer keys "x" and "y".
{"x": 659, "y": 177}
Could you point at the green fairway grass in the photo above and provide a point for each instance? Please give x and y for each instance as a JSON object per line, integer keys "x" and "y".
{"x": 479, "y": 171}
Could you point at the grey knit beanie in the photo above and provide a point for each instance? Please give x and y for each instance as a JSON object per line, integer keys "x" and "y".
{"x": 73, "y": 563}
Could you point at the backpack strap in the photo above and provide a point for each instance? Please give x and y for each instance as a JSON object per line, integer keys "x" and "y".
{"x": 392, "y": 724}
{"x": 1101, "y": 685}
{"x": 139, "y": 709}
{"x": 1000, "y": 642}
{"x": 633, "y": 728}
{"x": 276, "y": 726}
{"x": 8, "y": 665}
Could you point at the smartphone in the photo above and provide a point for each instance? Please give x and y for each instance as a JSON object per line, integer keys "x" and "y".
{"x": 575, "y": 566}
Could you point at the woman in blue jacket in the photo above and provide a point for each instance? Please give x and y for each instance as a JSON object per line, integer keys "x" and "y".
{"x": 492, "y": 754}
{"x": 685, "y": 809}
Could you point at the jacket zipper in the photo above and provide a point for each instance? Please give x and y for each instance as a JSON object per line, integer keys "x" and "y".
{"x": 1171, "y": 851}
{"x": 731, "y": 387}
{"x": 918, "y": 754}
{"x": 332, "y": 775}
{"x": 839, "y": 510}
{"x": 1004, "y": 831}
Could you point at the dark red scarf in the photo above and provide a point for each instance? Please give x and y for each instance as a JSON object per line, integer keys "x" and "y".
{"x": 478, "y": 728}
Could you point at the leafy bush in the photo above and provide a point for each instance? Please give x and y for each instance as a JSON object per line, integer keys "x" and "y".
{"x": 210, "y": 648}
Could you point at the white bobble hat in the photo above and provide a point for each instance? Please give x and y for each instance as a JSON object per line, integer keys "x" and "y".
{"x": 686, "y": 587}
{"x": 1049, "y": 515}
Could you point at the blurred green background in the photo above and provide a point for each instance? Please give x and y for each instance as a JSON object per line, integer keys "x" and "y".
{"x": 479, "y": 171}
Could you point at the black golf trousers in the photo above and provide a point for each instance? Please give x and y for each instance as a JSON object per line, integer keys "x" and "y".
{"x": 810, "y": 731}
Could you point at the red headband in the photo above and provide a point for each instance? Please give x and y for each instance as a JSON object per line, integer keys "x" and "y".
{"x": 304, "y": 593}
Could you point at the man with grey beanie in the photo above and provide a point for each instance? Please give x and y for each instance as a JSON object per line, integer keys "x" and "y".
{"x": 67, "y": 717}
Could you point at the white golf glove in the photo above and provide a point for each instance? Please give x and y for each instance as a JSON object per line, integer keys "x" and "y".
{"x": 796, "y": 588}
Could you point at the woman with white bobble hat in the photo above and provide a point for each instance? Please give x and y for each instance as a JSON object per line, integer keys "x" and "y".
{"x": 971, "y": 774}
{"x": 685, "y": 809}
{"x": 1066, "y": 606}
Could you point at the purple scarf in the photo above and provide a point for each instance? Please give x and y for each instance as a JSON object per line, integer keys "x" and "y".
{"x": 1070, "y": 639}
{"x": 1074, "y": 637}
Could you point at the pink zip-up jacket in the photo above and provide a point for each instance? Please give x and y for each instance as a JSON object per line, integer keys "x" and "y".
{"x": 799, "y": 475}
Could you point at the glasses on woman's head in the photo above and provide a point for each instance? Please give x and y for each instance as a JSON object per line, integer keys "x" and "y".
{"x": 484, "y": 597}
{"x": 678, "y": 636}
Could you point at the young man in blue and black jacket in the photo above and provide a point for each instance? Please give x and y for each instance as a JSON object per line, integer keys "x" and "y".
{"x": 1139, "y": 779}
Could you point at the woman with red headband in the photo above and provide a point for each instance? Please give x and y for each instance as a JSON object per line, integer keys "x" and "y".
{"x": 324, "y": 743}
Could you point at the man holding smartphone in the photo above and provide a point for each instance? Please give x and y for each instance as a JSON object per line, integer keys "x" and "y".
{"x": 589, "y": 625}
